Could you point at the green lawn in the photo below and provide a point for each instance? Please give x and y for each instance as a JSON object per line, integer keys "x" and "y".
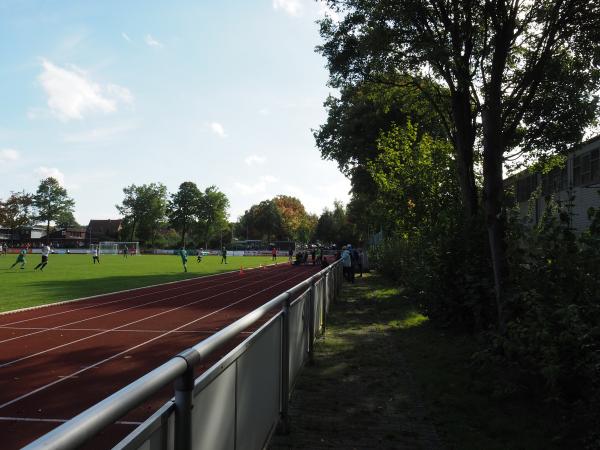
{"x": 73, "y": 276}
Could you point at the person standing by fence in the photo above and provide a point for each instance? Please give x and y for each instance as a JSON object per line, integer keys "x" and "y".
{"x": 274, "y": 254}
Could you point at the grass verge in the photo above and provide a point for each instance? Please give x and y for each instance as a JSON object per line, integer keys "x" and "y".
{"x": 386, "y": 377}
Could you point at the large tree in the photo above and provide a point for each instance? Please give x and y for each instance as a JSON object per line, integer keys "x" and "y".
{"x": 262, "y": 221}
{"x": 525, "y": 70}
{"x": 212, "y": 214}
{"x": 144, "y": 209}
{"x": 15, "y": 211}
{"x": 297, "y": 224}
{"x": 184, "y": 207}
{"x": 51, "y": 202}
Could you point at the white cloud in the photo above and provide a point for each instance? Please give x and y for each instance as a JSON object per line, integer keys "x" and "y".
{"x": 45, "y": 172}
{"x": 217, "y": 128}
{"x": 72, "y": 94}
{"x": 291, "y": 7}
{"x": 255, "y": 159}
{"x": 256, "y": 188}
{"x": 264, "y": 111}
{"x": 8, "y": 155}
{"x": 126, "y": 37}
{"x": 151, "y": 42}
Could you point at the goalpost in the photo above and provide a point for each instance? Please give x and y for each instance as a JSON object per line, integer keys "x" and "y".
{"x": 117, "y": 248}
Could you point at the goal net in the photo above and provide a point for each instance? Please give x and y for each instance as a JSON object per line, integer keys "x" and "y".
{"x": 118, "y": 248}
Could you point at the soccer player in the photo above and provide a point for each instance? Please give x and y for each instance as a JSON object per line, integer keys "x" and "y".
{"x": 223, "y": 255}
{"x": 290, "y": 254}
{"x": 20, "y": 259}
{"x": 44, "y": 263}
{"x": 274, "y": 254}
{"x": 96, "y": 255}
{"x": 183, "y": 254}
{"x": 125, "y": 252}
{"x": 199, "y": 255}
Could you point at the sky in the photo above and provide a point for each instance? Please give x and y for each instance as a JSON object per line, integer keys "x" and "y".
{"x": 105, "y": 94}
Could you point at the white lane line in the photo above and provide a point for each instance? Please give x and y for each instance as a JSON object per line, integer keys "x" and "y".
{"x": 127, "y": 330}
{"x": 110, "y": 358}
{"x": 23, "y": 358}
{"x": 121, "y": 310}
{"x": 196, "y": 280}
{"x": 36, "y": 419}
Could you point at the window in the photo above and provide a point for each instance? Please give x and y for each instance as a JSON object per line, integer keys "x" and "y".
{"x": 554, "y": 181}
{"x": 586, "y": 168}
{"x": 525, "y": 187}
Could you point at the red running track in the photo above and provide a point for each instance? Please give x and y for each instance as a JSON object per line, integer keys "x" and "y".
{"x": 59, "y": 360}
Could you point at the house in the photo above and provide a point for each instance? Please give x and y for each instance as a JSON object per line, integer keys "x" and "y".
{"x": 104, "y": 230}
{"x": 69, "y": 237}
{"x": 33, "y": 234}
{"x": 577, "y": 185}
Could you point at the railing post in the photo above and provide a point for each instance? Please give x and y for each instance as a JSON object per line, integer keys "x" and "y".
{"x": 184, "y": 391}
{"x": 285, "y": 366}
{"x": 325, "y": 303}
{"x": 311, "y": 322}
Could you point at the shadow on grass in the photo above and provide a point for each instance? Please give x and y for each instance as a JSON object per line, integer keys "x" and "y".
{"x": 384, "y": 374}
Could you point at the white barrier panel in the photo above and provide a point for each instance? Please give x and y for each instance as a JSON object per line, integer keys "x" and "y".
{"x": 258, "y": 389}
{"x": 213, "y": 416}
{"x": 298, "y": 344}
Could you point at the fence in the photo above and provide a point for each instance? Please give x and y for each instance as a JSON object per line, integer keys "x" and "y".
{"x": 239, "y": 401}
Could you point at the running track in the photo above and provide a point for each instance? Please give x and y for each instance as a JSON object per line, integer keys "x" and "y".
{"x": 59, "y": 360}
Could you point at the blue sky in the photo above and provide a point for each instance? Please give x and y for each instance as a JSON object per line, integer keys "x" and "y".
{"x": 103, "y": 94}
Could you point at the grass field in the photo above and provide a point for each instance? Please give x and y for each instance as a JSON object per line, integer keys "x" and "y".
{"x": 73, "y": 276}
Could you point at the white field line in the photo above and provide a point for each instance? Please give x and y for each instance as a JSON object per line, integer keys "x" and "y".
{"x": 9, "y": 363}
{"x": 110, "y": 358}
{"x": 125, "y": 330}
{"x": 36, "y": 419}
{"x": 197, "y": 280}
{"x": 127, "y": 309}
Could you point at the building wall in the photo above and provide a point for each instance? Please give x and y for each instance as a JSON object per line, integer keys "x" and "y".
{"x": 585, "y": 195}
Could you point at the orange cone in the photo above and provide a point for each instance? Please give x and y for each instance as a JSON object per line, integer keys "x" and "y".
{"x": 241, "y": 270}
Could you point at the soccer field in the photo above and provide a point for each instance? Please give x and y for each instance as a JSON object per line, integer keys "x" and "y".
{"x": 73, "y": 276}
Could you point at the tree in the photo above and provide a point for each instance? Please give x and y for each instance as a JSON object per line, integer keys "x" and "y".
{"x": 525, "y": 70}
{"x": 213, "y": 213}
{"x": 51, "y": 202}
{"x": 333, "y": 226}
{"x": 262, "y": 221}
{"x": 66, "y": 220}
{"x": 144, "y": 209}
{"x": 296, "y": 223}
{"x": 15, "y": 211}
{"x": 184, "y": 207}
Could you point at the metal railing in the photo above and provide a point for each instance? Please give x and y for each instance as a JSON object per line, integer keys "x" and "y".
{"x": 241, "y": 398}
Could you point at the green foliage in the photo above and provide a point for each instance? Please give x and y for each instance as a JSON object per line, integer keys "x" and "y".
{"x": 334, "y": 227}
{"x": 15, "y": 211}
{"x": 212, "y": 215}
{"x": 552, "y": 344}
{"x": 281, "y": 218}
{"x": 184, "y": 207}
{"x": 143, "y": 210}
{"x": 51, "y": 202}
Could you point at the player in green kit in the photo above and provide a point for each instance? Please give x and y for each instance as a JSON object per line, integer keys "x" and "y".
{"x": 183, "y": 254}
{"x": 20, "y": 259}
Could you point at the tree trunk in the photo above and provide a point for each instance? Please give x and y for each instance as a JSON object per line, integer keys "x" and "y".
{"x": 132, "y": 231}
{"x": 48, "y": 232}
{"x": 493, "y": 149}
{"x": 464, "y": 142}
